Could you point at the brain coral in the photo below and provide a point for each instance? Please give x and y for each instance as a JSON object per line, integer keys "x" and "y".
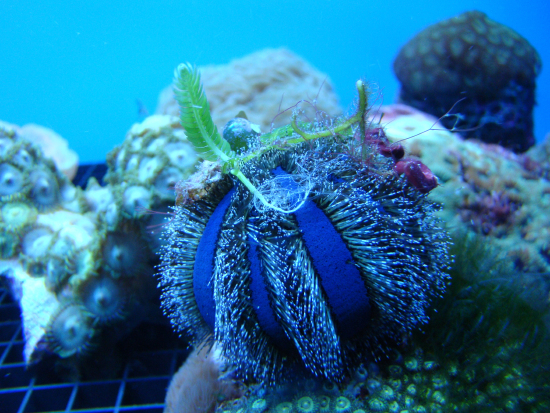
{"x": 475, "y": 57}
{"x": 258, "y": 84}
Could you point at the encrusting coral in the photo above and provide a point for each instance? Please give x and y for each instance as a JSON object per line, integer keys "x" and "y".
{"x": 484, "y": 187}
{"x": 485, "y": 68}
{"x": 540, "y": 153}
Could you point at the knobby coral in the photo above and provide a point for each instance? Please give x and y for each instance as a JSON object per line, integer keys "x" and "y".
{"x": 489, "y": 67}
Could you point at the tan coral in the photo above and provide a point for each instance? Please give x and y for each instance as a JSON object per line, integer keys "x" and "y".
{"x": 261, "y": 84}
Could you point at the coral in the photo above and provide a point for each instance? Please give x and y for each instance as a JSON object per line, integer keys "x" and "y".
{"x": 50, "y": 239}
{"x": 51, "y": 143}
{"x": 539, "y": 158}
{"x": 495, "y": 336}
{"x": 260, "y": 84}
{"x": 484, "y": 187}
{"x": 104, "y": 298}
{"x": 70, "y": 330}
{"x": 491, "y": 213}
{"x": 124, "y": 254}
{"x": 81, "y": 261}
{"x": 280, "y": 289}
{"x": 489, "y": 65}
{"x": 144, "y": 170}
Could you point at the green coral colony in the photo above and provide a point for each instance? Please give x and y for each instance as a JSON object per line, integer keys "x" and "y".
{"x": 264, "y": 294}
{"x": 79, "y": 259}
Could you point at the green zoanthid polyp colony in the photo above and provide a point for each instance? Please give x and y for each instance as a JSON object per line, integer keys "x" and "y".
{"x": 80, "y": 261}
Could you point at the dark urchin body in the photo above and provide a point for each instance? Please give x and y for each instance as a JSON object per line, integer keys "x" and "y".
{"x": 356, "y": 266}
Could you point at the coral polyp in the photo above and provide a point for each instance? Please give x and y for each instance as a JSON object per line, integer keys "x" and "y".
{"x": 105, "y": 298}
{"x": 331, "y": 264}
{"x": 11, "y": 180}
{"x": 77, "y": 260}
{"x": 70, "y": 331}
{"x": 124, "y": 254}
{"x": 44, "y": 192}
{"x": 16, "y": 216}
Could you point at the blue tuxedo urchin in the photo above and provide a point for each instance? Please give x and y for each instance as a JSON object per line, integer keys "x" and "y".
{"x": 353, "y": 269}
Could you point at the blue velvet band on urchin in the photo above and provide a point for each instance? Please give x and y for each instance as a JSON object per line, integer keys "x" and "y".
{"x": 203, "y": 283}
{"x": 261, "y": 302}
{"x": 203, "y": 270}
{"x": 340, "y": 278}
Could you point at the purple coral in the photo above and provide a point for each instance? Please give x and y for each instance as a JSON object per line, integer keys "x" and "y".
{"x": 490, "y": 212}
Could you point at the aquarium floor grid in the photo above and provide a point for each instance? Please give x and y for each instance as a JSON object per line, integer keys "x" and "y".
{"x": 141, "y": 387}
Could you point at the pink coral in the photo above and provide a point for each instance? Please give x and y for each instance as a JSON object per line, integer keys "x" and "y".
{"x": 489, "y": 211}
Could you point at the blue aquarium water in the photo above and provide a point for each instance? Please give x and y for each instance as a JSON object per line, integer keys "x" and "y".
{"x": 398, "y": 288}
{"x": 78, "y": 67}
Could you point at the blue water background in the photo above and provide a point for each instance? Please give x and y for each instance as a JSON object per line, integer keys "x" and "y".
{"x": 79, "y": 66}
